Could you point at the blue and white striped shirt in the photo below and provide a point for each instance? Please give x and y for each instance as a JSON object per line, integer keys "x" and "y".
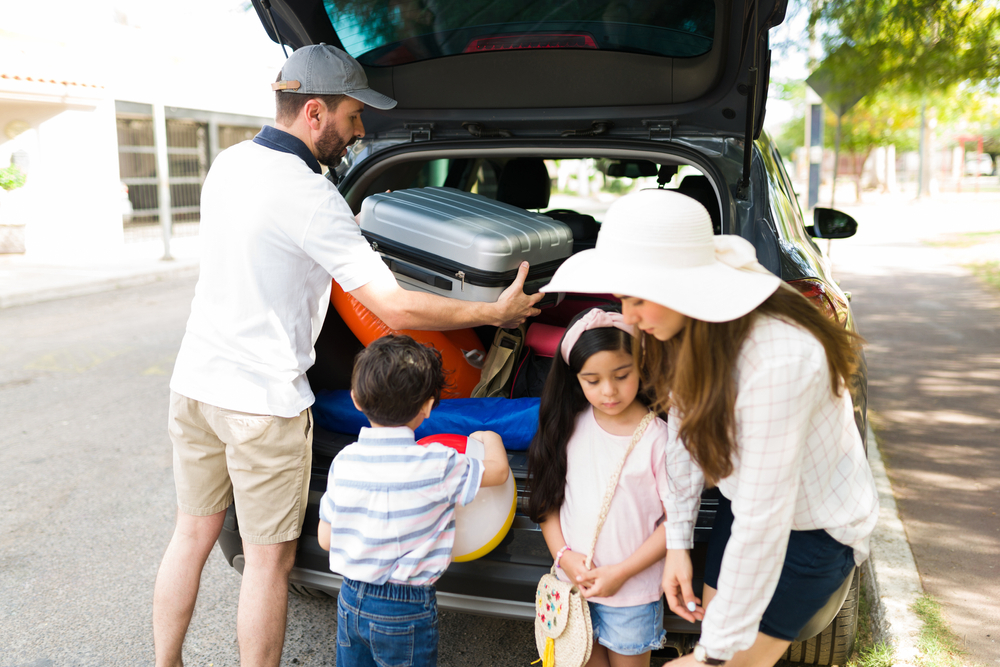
{"x": 391, "y": 505}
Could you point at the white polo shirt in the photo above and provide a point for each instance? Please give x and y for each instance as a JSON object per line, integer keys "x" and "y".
{"x": 273, "y": 232}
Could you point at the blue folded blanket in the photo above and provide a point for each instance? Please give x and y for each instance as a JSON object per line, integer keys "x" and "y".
{"x": 515, "y": 419}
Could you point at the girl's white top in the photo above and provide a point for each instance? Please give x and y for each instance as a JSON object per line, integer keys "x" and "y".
{"x": 592, "y": 456}
{"x": 799, "y": 465}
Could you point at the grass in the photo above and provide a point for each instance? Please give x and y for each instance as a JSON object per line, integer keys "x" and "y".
{"x": 867, "y": 653}
{"x": 988, "y": 272}
{"x": 939, "y": 647}
{"x": 965, "y": 240}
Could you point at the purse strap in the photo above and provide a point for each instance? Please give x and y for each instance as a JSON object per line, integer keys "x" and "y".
{"x": 613, "y": 484}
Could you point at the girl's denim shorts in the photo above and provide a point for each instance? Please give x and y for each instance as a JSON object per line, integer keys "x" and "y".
{"x": 628, "y": 630}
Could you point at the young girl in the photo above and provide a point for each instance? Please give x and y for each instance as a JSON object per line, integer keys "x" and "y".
{"x": 590, "y": 408}
{"x": 755, "y": 380}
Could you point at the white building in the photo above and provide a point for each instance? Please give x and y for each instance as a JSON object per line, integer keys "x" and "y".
{"x": 80, "y": 100}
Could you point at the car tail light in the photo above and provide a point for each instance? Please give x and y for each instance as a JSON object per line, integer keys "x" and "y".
{"x": 545, "y": 40}
{"x": 824, "y": 298}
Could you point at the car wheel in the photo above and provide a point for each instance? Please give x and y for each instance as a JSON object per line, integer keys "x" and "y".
{"x": 835, "y": 644}
{"x": 306, "y": 592}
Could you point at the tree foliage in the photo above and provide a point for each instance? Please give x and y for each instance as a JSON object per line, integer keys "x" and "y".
{"x": 915, "y": 46}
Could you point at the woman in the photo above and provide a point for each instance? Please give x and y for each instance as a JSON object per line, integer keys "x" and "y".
{"x": 754, "y": 381}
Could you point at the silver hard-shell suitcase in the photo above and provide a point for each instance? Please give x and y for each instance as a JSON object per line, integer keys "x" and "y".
{"x": 462, "y": 245}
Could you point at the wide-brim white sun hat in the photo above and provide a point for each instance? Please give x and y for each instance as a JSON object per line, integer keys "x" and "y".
{"x": 658, "y": 245}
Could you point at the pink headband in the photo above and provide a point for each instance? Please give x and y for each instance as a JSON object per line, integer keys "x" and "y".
{"x": 595, "y": 319}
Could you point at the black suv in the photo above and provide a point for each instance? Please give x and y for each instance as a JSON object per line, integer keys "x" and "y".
{"x": 521, "y": 101}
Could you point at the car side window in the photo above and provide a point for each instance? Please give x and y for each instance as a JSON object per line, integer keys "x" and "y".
{"x": 784, "y": 206}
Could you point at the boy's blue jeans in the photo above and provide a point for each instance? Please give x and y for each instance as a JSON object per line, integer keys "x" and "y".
{"x": 386, "y": 625}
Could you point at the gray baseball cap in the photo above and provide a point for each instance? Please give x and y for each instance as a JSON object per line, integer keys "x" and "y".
{"x": 321, "y": 69}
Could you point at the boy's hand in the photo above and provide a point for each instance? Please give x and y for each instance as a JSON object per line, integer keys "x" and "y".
{"x": 495, "y": 465}
{"x": 323, "y": 534}
{"x": 602, "y": 582}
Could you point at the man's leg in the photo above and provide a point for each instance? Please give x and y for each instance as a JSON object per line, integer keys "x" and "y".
{"x": 260, "y": 623}
{"x": 177, "y": 583}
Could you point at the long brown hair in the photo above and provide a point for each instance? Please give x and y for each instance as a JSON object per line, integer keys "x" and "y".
{"x": 693, "y": 373}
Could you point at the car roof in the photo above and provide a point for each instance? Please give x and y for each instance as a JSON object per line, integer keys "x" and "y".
{"x": 555, "y": 67}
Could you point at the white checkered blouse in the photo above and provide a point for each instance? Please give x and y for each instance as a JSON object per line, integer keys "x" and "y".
{"x": 799, "y": 465}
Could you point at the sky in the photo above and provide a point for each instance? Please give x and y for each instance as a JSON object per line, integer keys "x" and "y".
{"x": 210, "y": 54}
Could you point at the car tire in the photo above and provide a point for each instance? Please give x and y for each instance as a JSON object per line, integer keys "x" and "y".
{"x": 306, "y": 592}
{"x": 835, "y": 644}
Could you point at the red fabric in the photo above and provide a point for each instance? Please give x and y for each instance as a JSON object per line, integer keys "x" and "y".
{"x": 544, "y": 338}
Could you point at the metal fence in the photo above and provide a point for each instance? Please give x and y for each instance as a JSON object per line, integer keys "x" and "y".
{"x": 188, "y": 156}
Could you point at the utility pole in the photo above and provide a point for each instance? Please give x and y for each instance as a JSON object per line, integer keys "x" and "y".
{"x": 162, "y": 174}
{"x": 814, "y": 115}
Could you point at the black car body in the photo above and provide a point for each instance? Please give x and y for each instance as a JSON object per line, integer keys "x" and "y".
{"x": 485, "y": 87}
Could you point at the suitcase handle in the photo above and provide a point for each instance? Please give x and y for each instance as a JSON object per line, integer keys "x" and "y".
{"x": 411, "y": 271}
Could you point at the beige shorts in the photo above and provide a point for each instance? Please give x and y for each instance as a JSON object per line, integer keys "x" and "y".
{"x": 261, "y": 462}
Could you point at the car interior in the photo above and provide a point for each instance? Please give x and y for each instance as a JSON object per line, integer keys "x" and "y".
{"x": 551, "y": 186}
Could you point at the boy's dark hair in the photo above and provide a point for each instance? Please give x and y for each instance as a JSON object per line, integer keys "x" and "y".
{"x": 394, "y": 377}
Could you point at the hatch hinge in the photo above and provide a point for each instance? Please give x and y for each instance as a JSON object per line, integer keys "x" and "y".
{"x": 477, "y": 130}
{"x": 660, "y": 130}
{"x": 596, "y": 128}
{"x": 421, "y": 132}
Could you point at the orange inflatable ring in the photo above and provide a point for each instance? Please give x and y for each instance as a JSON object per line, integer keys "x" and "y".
{"x": 366, "y": 326}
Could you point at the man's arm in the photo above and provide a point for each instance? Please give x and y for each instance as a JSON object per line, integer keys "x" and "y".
{"x": 403, "y": 309}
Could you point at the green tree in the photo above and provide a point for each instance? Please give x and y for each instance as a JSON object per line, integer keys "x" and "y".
{"x": 12, "y": 177}
{"x": 921, "y": 46}
{"x": 916, "y": 53}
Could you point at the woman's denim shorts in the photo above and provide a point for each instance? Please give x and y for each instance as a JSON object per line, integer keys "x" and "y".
{"x": 815, "y": 567}
{"x": 628, "y": 630}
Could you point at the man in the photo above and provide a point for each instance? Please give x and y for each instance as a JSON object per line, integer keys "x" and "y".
{"x": 273, "y": 232}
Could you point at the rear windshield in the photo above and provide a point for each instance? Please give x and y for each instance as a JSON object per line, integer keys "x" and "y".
{"x": 396, "y": 32}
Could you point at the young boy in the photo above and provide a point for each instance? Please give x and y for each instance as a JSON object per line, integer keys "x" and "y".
{"x": 391, "y": 503}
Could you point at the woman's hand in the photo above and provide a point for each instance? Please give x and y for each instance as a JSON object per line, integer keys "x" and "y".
{"x": 602, "y": 582}
{"x": 677, "y": 573}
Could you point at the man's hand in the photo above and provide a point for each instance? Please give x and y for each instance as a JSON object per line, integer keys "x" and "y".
{"x": 516, "y": 306}
{"x": 601, "y": 582}
{"x": 677, "y": 573}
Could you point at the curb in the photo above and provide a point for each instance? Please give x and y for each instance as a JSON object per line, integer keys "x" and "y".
{"x": 891, "y": 580}
{"x": 80, "y": 288}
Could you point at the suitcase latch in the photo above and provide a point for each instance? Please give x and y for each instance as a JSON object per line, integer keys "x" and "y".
{"x": 375, "y": 246}
{"x": 461, "y": 276}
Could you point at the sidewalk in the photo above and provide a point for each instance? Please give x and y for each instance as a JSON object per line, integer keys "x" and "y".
{"x": 24, "y": 280}
{"x": 933, "y": 333}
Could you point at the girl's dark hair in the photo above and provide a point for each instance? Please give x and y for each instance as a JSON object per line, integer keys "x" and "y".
{"x": 562, "y": 400}
{"x": 693, "y": 372}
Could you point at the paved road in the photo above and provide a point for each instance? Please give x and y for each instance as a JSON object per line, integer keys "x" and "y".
{"x": 87, "y": 502}
{"x": 934, "y": 378}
